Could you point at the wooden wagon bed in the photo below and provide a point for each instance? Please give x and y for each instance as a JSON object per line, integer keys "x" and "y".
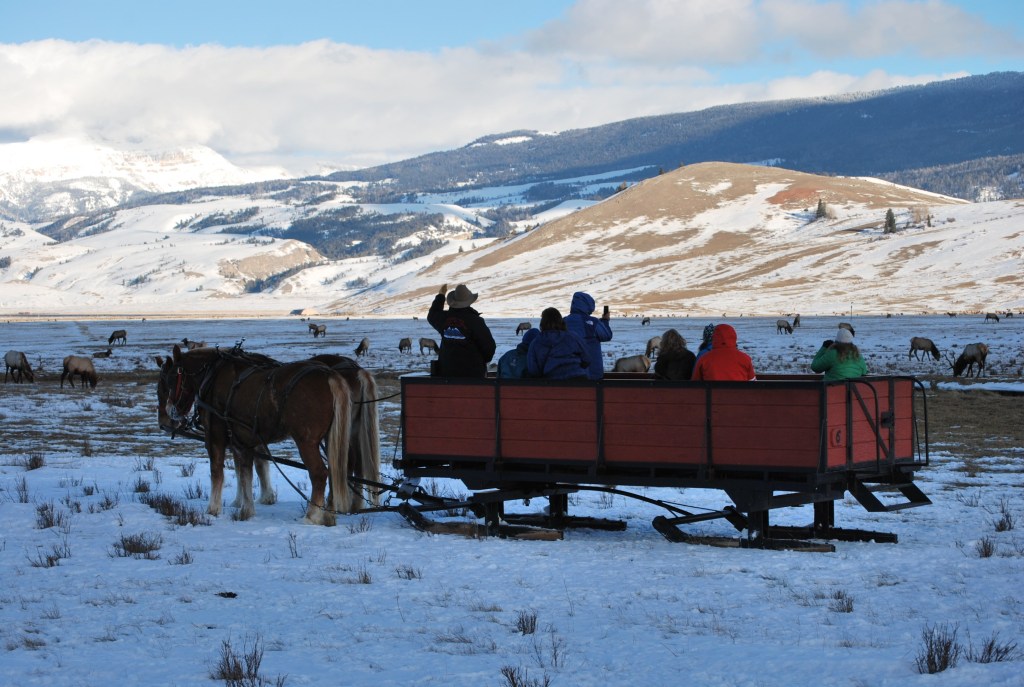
{"x": 780, "y": 441}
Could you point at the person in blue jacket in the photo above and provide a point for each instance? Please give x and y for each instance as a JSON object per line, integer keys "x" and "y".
{"x": 513, "y": 364}
{"x": 591, "y": 330}
{"x": 556, "y": 353}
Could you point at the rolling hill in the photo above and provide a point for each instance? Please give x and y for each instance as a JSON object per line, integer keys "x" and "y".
{"x": 704, "y": 238}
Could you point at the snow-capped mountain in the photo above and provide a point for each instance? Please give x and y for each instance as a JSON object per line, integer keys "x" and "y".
{"x": 44, "y": 179}
{"x": 703, "y": 239}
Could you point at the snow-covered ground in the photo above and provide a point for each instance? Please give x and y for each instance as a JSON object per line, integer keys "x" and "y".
{"x": 375, "y": 602}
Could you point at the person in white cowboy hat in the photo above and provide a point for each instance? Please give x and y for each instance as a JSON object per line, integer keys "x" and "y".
{"x": 839, "y": 358}
{"x": 466, "y": 341}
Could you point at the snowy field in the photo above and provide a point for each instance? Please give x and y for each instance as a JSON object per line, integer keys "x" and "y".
{"x": 375, "y": 602}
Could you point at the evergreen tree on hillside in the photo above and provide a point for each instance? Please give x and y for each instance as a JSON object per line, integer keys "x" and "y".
{"x": 822, "y": 211}
{"x": 890, "y": 221}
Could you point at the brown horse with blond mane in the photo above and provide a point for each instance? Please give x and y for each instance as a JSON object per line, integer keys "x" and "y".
{"x": 246, "y": 401}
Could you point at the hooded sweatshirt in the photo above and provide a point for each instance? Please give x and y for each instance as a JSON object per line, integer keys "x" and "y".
{"x": 724, "y": 362}
{"x": 591, "y": 330}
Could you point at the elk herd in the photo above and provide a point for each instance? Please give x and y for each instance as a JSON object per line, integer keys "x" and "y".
{"x": 971, "y": 360}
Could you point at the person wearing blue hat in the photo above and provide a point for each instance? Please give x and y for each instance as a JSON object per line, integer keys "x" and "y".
{"x": 705, "y": 340}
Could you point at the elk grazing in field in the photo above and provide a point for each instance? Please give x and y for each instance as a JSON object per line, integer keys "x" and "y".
{"x": 428, "y": 344}
{"x": 796, "y": 320}
{"x": 318, "y": 330}
{"x": 653, "y": 346}
{"x": 522, "y": 327}
{"x": 118, "y": 336}
{"x": 632, "y": 363}
{"x": 919, "y": 344}
{"x": 974, "y": 354}
{"x": 405, "y": 345}
{"x": 81, "y": 367}
{"x": 645, "y": 321}
{"x": 18, "y": 367}
{"x": 783, "y": 326}
{"x": 991, "y": 317}
{"x": 364, "y": 347}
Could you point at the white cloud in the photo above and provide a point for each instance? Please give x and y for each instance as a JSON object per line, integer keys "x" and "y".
{"x": 603, "y": 61}
{"x": 704, "y": 31}
{"x": 929, "y": 28}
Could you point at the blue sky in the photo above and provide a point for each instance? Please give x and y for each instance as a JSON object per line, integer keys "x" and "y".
{"x": 355, "y": 83}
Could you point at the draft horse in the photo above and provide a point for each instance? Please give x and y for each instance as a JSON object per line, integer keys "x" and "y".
{"x": 245, "y": 402}
{"x": 364, "y": 445}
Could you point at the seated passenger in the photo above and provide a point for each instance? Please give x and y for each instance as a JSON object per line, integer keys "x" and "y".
{"x": 724, "y": 362}
{"x": 556, "y": 353}
{"x": 513, "y": 364}
{"x": 675, "y": 361}
{"x": 839, "y": 359}
{"x": 705, "y": 340}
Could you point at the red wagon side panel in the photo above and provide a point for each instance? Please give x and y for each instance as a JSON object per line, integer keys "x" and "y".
{"x": 549, "y": 422}
{"x": 655, "y": 425}
{"x": 449, "y": 419}
{"x": 758, "y": 426}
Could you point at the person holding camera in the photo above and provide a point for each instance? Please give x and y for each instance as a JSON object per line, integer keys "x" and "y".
{"x": 839, "y": 358}
{"x": 581, "y": 322}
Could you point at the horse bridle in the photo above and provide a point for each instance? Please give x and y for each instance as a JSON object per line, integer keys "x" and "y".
{"x": 174, "y": 404}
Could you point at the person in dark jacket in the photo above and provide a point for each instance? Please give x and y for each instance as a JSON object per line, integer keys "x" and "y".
{"x": 724, "y": 362}
{"x": 513, "y": 364}
{"x": 591, "y": 330}
{"x": 675, "y": 361}
{"x": 466, "y": 342}
{"x": 556, "y": 353}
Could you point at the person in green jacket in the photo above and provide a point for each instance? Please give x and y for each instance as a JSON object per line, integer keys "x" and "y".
{"x": 839, "y": 359}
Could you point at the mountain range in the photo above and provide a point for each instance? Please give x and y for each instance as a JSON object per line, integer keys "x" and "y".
{"x": 702, "y": 239}
{"x": 528, "y": 218}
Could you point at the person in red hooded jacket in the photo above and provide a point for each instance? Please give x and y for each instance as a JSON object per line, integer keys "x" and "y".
{"x": 724, "y": 362}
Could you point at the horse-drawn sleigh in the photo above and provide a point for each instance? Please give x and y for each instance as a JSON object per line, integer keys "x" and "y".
{"x": 779, "y": 442}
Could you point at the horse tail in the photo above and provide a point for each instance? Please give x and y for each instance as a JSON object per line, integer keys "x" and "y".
{"x": 368, "y": 432}
{"x": 338, "y": 438}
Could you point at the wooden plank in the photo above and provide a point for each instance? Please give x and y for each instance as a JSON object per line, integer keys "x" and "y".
{"x": 554, "y": 451}
{"x": 453, "y": 428}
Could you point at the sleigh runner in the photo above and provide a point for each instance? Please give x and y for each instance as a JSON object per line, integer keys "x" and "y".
{"x": 779, "y": 442}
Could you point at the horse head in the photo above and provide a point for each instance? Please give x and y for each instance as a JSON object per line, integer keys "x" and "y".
{"x": 177, "y": 386}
